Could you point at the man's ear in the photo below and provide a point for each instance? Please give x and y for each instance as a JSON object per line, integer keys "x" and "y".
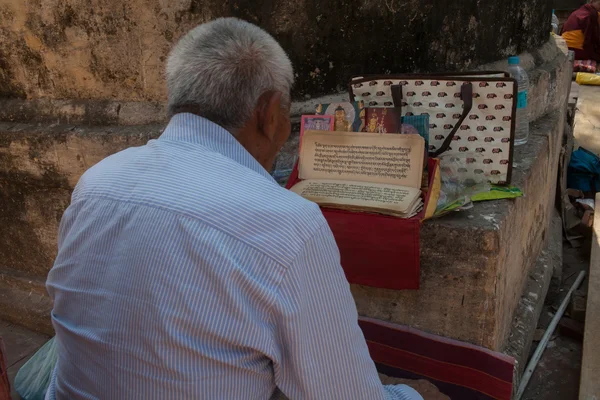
{"x": 269, "y": 112}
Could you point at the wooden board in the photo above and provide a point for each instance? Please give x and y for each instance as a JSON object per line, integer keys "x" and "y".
{"x": 587, "y": 119}
{"x": 574, "y": 94}
{"x": 590, "y": 370}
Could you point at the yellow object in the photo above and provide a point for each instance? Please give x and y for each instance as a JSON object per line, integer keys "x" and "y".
{"x": 585, "y": 78}
{"x": 574, "y": 39}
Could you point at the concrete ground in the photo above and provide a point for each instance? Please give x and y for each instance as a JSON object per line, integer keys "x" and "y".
{"x": 20, "y": 345}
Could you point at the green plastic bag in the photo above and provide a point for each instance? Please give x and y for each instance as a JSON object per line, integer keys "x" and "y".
{"x": 498, "y": 193}
{"x": 33, "y": 378}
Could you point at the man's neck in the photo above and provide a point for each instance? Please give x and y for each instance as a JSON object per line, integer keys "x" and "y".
{"x": 595, "y": 7}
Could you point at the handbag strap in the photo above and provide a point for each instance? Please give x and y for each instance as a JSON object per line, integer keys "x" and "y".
{"x": 397, "y": 97}
{"x": 466, "y": 94}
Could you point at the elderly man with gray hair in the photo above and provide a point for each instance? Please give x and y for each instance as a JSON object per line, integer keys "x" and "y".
{"x": 185, "y": 272}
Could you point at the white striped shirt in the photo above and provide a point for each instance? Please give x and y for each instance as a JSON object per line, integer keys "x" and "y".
{"x": 185, "y": 272}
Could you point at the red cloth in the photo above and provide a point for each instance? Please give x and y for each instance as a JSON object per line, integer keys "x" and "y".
{"x": 585, "y": 66}
{"x": 459, "y": 370}
{"x": 378, "y": 250}
{"x": 585, "y": 19}
{"x": 4, "y": 384}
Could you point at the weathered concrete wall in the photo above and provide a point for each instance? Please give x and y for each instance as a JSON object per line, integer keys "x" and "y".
{"x": 119, "y": 112}
{"x": 101, "y": 62}
{"x": 474, "y": 265}
{"x": 39, "y": 167}
{"x": 109, "y": 49}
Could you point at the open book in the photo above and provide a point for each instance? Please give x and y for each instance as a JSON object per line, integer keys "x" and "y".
{"x": 367, "y": 172}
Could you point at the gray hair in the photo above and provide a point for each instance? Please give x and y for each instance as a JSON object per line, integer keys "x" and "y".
{"x": 220, "y": 69}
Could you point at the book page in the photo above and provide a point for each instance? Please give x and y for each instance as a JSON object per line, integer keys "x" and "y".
{"x": 361, "y": 195}
{"x": 362, "y": 157}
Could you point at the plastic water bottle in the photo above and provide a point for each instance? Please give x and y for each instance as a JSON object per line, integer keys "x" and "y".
{"x": 522, "y": 122}
{"x": 555, "y": 23}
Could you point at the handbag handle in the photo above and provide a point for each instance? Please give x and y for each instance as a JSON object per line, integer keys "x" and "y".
{"x": 397, "y": 98}
{"x": 466, "y": 94}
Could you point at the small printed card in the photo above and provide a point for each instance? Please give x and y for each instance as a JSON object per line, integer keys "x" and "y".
{"x": 348, "y": 117}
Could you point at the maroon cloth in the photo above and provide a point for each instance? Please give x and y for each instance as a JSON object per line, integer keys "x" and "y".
{"x": 378, "y": 250}
{"x": 585, "y": 66}
{"x": 585, "y": 19}
{"x": 4, "y": 384}
{"x": 459, "y": 370}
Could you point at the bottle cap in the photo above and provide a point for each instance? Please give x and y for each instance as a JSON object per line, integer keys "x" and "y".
{"x": 515, "y": 60}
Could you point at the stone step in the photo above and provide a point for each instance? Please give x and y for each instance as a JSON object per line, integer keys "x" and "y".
{"x": 24, "y": 302}
{"x": 21, "y": 344}
{"x": 475, "y": 264}
{"x": 542, "y": 64}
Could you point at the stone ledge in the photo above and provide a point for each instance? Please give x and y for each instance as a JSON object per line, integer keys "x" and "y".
{"x": 474, "y": 264}
{"x": 41, "y": 164}
{"x": 527, "y": 315}
{"x": 469, "y": 291}
{"x": 39, "y": 167}
{"x": 26, "y": 309}
{"x": 24, "y": 301}
{"x": 542, "y": 65}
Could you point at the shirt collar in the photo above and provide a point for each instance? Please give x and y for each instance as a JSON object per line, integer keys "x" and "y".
{"x": 190, "y": 128}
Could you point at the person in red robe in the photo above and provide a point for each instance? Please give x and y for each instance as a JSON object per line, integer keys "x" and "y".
{"x": 582, "y": 32}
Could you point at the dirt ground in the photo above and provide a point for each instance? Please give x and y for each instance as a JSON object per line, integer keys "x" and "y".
{"x": 557, "y": 374}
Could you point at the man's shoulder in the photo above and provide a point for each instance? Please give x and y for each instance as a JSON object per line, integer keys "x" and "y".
{"x": 270, "y": 218}
{"x": 262, "y": 215}
{"x": 213, "y": 190}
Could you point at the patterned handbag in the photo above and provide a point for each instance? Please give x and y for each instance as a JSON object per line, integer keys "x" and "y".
{"x": 472, "y": 115}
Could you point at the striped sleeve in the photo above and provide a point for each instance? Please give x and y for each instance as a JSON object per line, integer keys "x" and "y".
{"x": 320, "y": 351}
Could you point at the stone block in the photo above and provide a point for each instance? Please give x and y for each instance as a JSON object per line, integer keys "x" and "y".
{"x": 59, "y": 49}
{"x": 531, "y": 305}
{"x": 39, "y": 167}
{"x": 24, "y": 302}
{"x": 577, "y": 306}
{"x": 475, "y": 264}
{"x": 544, "y": 64}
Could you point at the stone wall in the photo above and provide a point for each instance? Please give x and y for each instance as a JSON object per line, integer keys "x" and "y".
{"x": 474, "y": 265}
{"x": 39, "y": 167}
{"x": 109, "y": 49}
